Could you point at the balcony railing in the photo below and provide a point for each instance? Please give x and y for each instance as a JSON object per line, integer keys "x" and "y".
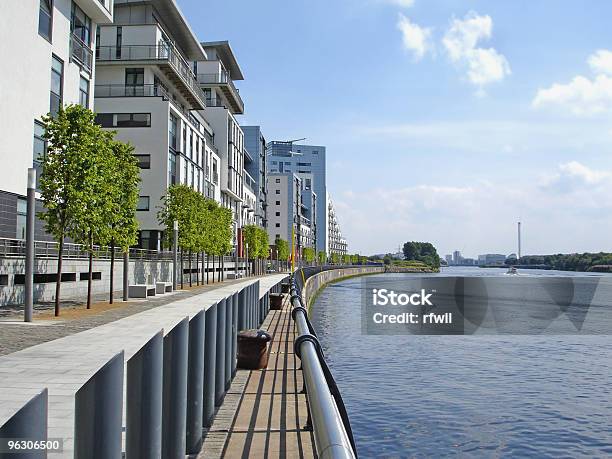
{"x": 121, "y": 90}
{"x": 81, "y": 53}
{"x": 222, "y": 78}
{"x": 165, "y": 52}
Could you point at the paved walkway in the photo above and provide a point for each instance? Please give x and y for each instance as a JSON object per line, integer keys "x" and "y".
{"x": 265, "y": 411}
{"x": 16, "y": 334}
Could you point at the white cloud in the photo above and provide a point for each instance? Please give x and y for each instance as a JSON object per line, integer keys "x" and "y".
{"x": 484, "y": 65}
{"x": 403, "y": 3}
{"x": 601, "y": 62}
{"x": 582, "y": 96}
{"x": 415, "y": 38}
{"x": 575, "y": 176}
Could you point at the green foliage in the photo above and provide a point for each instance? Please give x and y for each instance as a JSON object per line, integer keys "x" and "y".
{"x": 257, "y": 240}
{"x": 282, "y": 248}
{"x": 422, "y": 251}
{"x": 123, "y": 221}
{"x": 568, "y": 262}
{"x": 308, "y": 254}
{"x": 335, "y": 258}
{"x": 322, "y": 257}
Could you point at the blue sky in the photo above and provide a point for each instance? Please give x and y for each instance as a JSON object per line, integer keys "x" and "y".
{"x": 444, "y": 120}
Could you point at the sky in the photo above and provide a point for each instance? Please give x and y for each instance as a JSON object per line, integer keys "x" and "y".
{"x": 445, "y": 121}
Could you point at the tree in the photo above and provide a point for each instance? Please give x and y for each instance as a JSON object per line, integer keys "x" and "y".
{"x": 282, "y": 249}
{"x": 424, "y": 252}
{"x": 335, "y": 258}
{"x": 123, "y": 224}
{"x": 322, "y": 257}
{"x": 69, "y": 176}
{"x": 308, "y": 254}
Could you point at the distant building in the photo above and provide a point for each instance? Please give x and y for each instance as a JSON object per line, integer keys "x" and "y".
{"x": 457, "y": 257}
{"x": 449, "y": 259}
{"x": 491, "y": 259}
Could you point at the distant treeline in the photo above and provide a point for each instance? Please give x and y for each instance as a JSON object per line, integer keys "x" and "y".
{"x": 571, "y": 262}
{"x": 424, "y": 252}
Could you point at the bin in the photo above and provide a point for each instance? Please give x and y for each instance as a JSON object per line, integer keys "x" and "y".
{"x": 285, "y": 287}
{"x": 276, "y": 301}
{"x": 253, "y": 349}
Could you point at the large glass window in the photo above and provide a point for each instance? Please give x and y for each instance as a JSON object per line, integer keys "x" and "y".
{"x": 22, "y": 213}
{"x": 57, "y": 77}
{"x": 144, "y": 161}
{"x": 118, "y": 42}
{"x": 84, "y": 92}
{"x": 45, "y": 19}
{"x": 122, "y": 120}
{"x": 80, "y": 24}
{"x": 172, "y": 131}
{"x": 171, "y": 168}
{"x": 143, "y": 203}
{"x": 134, "y": 81}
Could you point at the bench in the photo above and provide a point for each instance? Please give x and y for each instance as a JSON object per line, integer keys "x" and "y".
{"x": 141, "y": 290}
{"x": 163, "y": 287}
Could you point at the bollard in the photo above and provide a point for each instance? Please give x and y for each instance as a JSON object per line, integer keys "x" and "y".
{"x": 242, "y": 309}
{"x": 98, "y": 413}
{"x": 210, "y": 351}
{"x": 29, "y": 422}
{"x": 195, "y": 383}
{"x": 229, "y": 309}
{"x": 174, "y": 409}
{"x": 144, "y": 400}
{"x": 235, "y": 331}
{"x": 220, "y": 355}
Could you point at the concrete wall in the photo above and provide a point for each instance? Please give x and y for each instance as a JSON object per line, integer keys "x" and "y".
{"x": 319, "y": 280}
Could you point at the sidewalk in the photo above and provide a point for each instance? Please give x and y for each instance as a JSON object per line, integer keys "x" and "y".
{"x": 74, "y": 317}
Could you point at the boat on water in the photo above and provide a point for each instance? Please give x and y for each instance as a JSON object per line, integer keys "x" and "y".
{"x": 512, "y": 270}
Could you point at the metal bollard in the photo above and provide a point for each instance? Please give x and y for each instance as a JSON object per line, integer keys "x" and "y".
{"x": 174, "y": 410}
{"x": 210, "y": 352}
{"x": 229, "y": 309}
{"x": 195, "y": 383}
{"x": 145, "y": 375}
{"x": 235, "y": 331}
{"x": 98, "y": 413}
{"x": 29, "y": 422}
{"x": 220, "y": 355}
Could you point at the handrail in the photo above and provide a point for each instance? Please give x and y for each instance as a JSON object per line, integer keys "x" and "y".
{"x": 331, "y": 427}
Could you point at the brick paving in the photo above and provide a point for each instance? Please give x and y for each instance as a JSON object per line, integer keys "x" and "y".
{"x": 16, "y": 334}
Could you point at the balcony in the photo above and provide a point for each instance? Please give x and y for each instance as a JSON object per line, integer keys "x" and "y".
{"x": 121, "y": 90}
{"x": 167, "y": 58}
{"x": 223, "y": 81}
{"x": 81, "y": 53}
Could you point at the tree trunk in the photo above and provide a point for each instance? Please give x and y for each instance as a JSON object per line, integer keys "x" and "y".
{"x": 207, "y": 264}
{"x": 90, "y": 273}
{"x": 222, "y": 266}
{"x": 58, "y": 282}
{"x": 198, "y": 268}
{"x": 190, "y": 270}
{"x": 213, "y": 269}
{"x": 182, "y": 272}
{"x": 112, "y": 270}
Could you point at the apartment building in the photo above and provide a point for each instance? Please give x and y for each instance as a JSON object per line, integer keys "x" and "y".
{"x": 307, "y": 162}
{"x": 48, "y": 46}
{"x": 147, "y": 90}
{"x": 255, "y": 166}
{"x": 216, "y": 75}
{"x": 291, "y": 211}
{"x": 337, "y": 243}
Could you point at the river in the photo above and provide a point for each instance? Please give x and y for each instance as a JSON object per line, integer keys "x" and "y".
{"x": 469, "y": 396}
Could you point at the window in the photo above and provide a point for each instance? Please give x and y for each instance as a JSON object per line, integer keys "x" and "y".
{"x": 277, "y": 225}
{"x": 40, "y": 149}
{"x": 304, "y": 164}
{"x": 143, "y": 203}
{"x": 57, "y": 83}
{"x": 171, "y": 168}
{"x": 110, "y": 120}
{"x": 277, "y": 180}
{"x": 118, "y": 43}
{"x": 277, "y": 191}
{"x": 134, "y": 82}
{"x": 22, "y": 207}
{"x": 308, "y": 183}
{"x": 80, "y": 24}
{"x": 277, "y": 236}
{"x": 172, "y": 131}
{"x": 315, "y": 152}
{"x": 274, "y": 163}
{"x": 193, "y": 176}
{"x": 278, "y": 214}
{"x": 278, "y": 203}
{"x": 84, "y": 92}
{"x": 97, "y": 42}
{"x": 144, "y": 161}
{"x": 45, "y": 19}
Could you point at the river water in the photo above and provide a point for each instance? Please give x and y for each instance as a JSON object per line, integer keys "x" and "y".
{"x": 469, "y": 396}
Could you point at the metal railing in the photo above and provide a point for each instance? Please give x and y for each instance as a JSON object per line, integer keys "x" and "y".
{"x": 165, "y": 52}
{"x": 81, "y": 52}
{"x": 122, "y": 90}
{"x": 221, "y": 77}
{"x": 50, "y": 249}
{"x": 330, "y": 424}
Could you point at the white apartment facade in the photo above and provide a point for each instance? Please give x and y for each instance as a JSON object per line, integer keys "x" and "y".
{"x": 49, "y": 45}
{"x": 147, "y": 91}
{"x": 337, "y": 243}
